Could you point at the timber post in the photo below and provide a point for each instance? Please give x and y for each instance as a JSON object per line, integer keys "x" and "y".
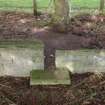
{"x": 49, "y": 58}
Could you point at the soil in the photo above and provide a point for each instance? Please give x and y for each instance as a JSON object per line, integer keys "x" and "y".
{"x": 18, "y": 25}
{"x": 86, "y": 89}
{"x": 85, "y": 31}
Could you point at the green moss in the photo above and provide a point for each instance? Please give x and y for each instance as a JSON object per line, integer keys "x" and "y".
{"x": 41, "y": 77}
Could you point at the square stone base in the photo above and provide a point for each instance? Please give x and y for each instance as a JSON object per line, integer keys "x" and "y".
{"x": 56, "y": 77}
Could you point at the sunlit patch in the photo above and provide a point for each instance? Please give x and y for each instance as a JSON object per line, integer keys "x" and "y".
{"x": 23, "y": 21}
{"x": 6, "y": 56}
{"x": 39, "y": 19}
{"x": 19, "y": 62}
{"x": 39, "y": 31}
{"x": 101, "y": 19}
{"x": 51, "y": 55}
{"x": 70, "y": 66}
{"x": 88, "y": 24}
{"x": 94, "y": 18}
{"x": 12, "y": 57}
{"x": 30, "y": 62}
{"x": 98, "y": 74}
{"x": 102, "y": 53}
{"x": 34, "y": 29}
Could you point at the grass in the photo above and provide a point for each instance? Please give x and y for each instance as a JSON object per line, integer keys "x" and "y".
{"x": 85, "y": 4}
{"x": 26, "y": 5}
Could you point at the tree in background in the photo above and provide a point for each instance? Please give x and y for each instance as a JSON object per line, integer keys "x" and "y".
{"x": 102, "y": 5}
{"x": 35, "y": 7}
{"x": 61, "y": 15}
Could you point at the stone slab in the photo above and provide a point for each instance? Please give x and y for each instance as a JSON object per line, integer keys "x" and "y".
{"x": 56, "y": 77}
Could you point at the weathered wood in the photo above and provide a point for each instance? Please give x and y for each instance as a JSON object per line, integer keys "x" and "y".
{"x": 49, "y": 58}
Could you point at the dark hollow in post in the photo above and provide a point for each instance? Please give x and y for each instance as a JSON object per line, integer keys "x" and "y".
{"x": 49, "y": 58}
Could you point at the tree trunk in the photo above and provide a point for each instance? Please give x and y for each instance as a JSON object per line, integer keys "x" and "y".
{"x": 102, "y": 5}
{"x": 61, "y": 15}
{"x": 34, "y": 7}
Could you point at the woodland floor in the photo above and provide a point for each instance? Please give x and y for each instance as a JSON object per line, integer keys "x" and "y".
{"x": 86, "y": 89}
{"x": 15, "y": 25}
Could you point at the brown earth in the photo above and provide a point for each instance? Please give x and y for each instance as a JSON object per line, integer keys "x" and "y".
{"x": 86, "y": 89}
{"x": 85, "y": 31}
